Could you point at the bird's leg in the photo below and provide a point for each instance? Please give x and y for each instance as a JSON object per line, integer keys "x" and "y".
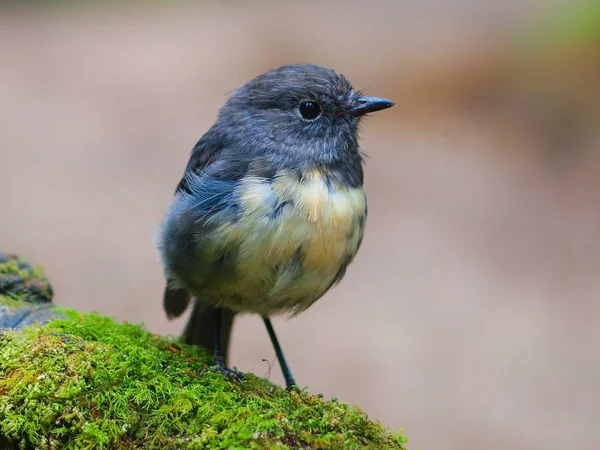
{"x": 218, "y": 359}
{"x": 289, "y": 379}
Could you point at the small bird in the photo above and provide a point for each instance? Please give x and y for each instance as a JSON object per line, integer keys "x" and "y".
{"x": 271, "y": 208}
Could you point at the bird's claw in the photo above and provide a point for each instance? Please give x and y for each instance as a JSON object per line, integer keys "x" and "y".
{"x": 231, "y": 374}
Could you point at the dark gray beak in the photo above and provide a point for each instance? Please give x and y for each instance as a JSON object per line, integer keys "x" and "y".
{"x": 365, "y": 105}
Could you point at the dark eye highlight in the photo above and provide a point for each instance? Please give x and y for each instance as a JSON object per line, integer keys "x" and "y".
{"x": 309, "y": 109}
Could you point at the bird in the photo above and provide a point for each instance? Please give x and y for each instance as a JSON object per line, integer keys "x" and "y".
{"x": 270, "y": 210}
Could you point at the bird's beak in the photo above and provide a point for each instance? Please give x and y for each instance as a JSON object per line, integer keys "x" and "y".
{"x": 365, "y": 105}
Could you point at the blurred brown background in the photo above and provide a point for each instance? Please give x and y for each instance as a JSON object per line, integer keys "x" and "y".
{"x": 471, "y": 316}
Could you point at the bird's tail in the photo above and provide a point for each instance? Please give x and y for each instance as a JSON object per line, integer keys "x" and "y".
{"x": 200, "y": 329}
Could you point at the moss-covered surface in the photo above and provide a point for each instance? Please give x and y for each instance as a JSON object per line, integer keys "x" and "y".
{"x": 86, "y": 381}
{"x": 20, "y": 281}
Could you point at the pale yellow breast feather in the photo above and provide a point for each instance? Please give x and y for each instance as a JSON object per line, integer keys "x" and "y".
{"x": 289, "y": 220}
{"x": 319, "y": 218}
{"x": 327, "y": 204}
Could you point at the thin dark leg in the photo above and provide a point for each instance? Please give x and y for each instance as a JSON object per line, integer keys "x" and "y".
{"x": 289, "y": 379}
{"x": 217, "y": 355}
{"x": 218, "y": 359}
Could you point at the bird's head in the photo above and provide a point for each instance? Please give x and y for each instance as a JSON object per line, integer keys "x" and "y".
{"x": 299, "y": 111}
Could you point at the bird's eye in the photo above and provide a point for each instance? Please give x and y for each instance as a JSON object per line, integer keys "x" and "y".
{"x": 309, "y": 109}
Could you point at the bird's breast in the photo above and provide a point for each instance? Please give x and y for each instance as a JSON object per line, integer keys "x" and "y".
{"x": 289, "y": 240}
{"x": 308, "y": 218}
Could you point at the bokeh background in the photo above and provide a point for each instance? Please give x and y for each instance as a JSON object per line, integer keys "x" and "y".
{"x": 471, "y": 316}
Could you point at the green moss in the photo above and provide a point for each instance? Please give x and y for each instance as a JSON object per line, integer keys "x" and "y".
{"x": 11, "y": 301}
{"x": 18, "y": 280}
{"x": 86, "y": 381}
{"x": 89, "y": 382}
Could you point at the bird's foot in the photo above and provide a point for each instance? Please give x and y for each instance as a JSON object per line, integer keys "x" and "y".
{"x": 231, "y": 374}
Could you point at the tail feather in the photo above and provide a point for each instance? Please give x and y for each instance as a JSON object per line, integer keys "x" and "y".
{"x": 200, "y": 329}
{"x": 175, "y": 301}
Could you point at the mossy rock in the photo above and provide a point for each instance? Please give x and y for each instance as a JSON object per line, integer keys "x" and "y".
{"x": 80, "y": 380}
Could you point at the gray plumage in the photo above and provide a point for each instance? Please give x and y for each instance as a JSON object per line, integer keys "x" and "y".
{"x": 270, "y": 210}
